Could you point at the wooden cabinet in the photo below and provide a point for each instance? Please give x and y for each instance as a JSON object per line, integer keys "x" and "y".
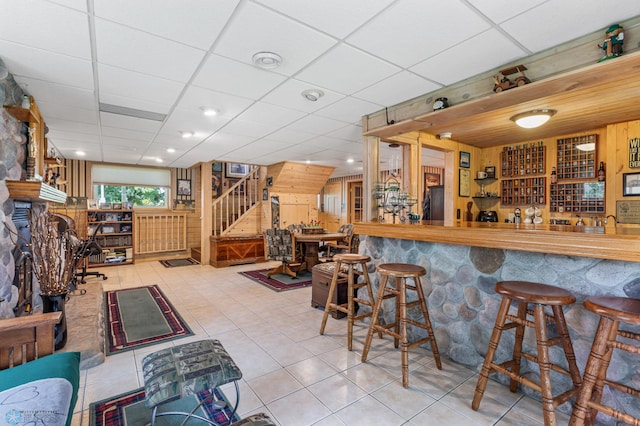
{"x": 584, "y": 197}
{"x": 523, "y": 192}
{"x": 229, "y": 250}
{"x": 113, "y": 231}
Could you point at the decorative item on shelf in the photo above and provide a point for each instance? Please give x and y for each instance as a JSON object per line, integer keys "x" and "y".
{"x": 440, "y": 103}
{"x": 389, "y": 199}
{"x": 554, "y": 176}
{"x": 602, "y": 174}
{"x": 490, "y": 171}
{"x": 612, "y": 44}
{"x": 502, "y": 82}
{"x": 26, "y": 102}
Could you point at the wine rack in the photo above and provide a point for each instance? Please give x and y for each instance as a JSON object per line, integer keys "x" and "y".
{"x": 523, "y": 160}
{"x": 523, "y": 192}
{"x": 583, "y": 197}
{"x": 574, "y": 163}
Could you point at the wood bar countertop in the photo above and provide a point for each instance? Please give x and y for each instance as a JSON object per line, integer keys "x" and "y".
{"x": 584, "y": 241}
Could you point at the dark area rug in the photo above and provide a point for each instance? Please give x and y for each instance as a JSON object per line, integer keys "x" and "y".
{"x": 279, "y": 282}
{"x": 129, "y": 409}
{"x": 140, "y": 316}
{"x": 172, "y": 263}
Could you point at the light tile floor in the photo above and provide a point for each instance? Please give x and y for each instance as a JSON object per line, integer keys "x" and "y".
{"x": 293, "y": 373}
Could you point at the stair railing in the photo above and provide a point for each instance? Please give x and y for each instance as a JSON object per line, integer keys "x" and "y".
{"x": 236, "y": 202}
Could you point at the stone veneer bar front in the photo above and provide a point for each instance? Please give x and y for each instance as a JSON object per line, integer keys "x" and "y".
{"x": 459, "y": 286}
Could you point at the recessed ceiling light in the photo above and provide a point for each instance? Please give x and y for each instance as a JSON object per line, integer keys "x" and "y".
{"x": 209, "y": 111}
{"x": 534, "y": 118}
{"x": 81, "y": 153}
{"x": 158, "y": 160}
{"x": 268, "y": 60}
{"x": 312, "y": 94}
{"x": 308, "y": 161}
{"x": 171, "y": 150}
{"x": 186, "y": 134}
{"x": 350, "y": 160}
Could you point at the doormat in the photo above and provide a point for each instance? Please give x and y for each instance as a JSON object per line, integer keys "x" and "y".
{"x": 141, "y": 316}
{"x": 279, "y": 282}
{"x": 172, "y": 263}
{"x": 129, "y": 409}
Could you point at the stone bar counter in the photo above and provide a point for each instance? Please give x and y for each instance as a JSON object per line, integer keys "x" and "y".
{"x": 464, "y": 262}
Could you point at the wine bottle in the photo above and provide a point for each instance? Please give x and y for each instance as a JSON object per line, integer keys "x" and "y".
{"x": 601, "y": 172}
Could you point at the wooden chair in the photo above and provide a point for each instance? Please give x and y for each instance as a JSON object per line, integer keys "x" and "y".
{"x": 344, "y": 245}
{"x": 279, "y": 245}
{"x": 23, "y": 339}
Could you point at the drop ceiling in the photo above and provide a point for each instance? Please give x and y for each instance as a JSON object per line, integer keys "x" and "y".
{"x": 173, "y": 58}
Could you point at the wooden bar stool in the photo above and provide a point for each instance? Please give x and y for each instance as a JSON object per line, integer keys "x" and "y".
{"x": 538, "y": 295}
{"x": 612, "y": 311}
{"x": 350, "y": 260}
{"x": 398, "y": 329}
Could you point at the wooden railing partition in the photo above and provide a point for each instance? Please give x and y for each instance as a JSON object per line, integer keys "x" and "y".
{"x": 160, "y": 232}
{"x": 233, "y": 204}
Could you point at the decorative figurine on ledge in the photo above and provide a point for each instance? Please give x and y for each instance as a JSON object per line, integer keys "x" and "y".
{"x": 612, "y": 44}
{"x": 504, "y": 83}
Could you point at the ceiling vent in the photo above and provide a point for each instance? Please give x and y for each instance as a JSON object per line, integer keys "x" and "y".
{"x": 132, "y": 112}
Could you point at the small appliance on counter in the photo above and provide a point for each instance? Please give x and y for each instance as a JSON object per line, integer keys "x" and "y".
{"x": 488, "y": 216}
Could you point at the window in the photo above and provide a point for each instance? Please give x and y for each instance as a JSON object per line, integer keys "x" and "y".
{"x": 142, "y": 186}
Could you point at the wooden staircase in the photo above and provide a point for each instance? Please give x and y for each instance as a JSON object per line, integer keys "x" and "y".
{"x": 235, "y": 203}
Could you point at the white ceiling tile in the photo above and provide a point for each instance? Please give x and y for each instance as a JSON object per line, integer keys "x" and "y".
{"x": 129, "y": 84}
{"x": 228, "y": 76}
{"x": 192, "y": 121}
{"x": 118, "y": 132}
{"x": 571, "y": 16}
{"x": 137, "y": 51}
{"x": 336, "y": 17}
{"x": 141, "y": 104}
{"x": 228, "y": 106}
{"x": 58, "y": 94}
{"x": 349, "y": 110}
{"x": 413, "y": 30}
{"x": 489, "y": 50}
{"x": 501, "y": 10}
{"x": 271, "y": 32}
{"x": 326, "y": 142}
{"x": 253, "y": 151}
{"x": 398, "y": 88}
{"x": 136, "y": 145}
{"x": 264, "y": 113}
{"x": 349, "y": 133}
{"x": 250, "y": 128}
{"x": 347, "y": 70}
{"x": 80, "y": 5}
{"x": 46, "y": 66}
{"x": 121, "y": 156}
{"x": 176, "y": 141}
{"x": 290, "y": 136}
{"x": 289, "y": 95}
{"x": 193, "y": 22}
{"x": 53, "y": 110}
{"x": 74, "y": 128}
{"x": 316, "y": 124}
{"x": 132, "y": 123}
{"x": 46, "y": 26}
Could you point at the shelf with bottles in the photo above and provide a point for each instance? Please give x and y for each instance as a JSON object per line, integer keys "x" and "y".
{"x": 526, "y": 191}
{"x": 577, "y": 157}
{"x": 577, "y": 197}
{"x": 523, "y": 160}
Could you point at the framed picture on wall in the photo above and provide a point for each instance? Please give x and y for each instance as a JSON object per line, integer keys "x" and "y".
{"x": 184, "y": 187}
{"x": 265, "y": 194}
{"x": 464, "y": 185}
{"x": 216, "y": 184}
{"x": 216, "y": 166}
{"x": 465, "y": 159}
{"x": 630, "y": 184}
{"x": 235, "y": 170}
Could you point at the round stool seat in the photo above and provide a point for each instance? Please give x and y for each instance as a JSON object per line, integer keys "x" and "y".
{"x": 617, "y": 308}
{"x": 401, "y": 270}
{"x": 350, "y": 258}
{"x": 529, "y": 292}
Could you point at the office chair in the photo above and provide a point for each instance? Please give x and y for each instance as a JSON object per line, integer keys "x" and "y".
{"x": 88, "y": 248}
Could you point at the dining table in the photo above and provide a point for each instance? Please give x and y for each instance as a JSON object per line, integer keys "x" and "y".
{"x": 311, "y": 243}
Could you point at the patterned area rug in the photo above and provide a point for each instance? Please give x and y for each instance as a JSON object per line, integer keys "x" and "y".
{"x": 172, "y": 263}
{"x": 138, "y": 317}
{"x": 279, "y": 282}
{"x": 129, "y": 409}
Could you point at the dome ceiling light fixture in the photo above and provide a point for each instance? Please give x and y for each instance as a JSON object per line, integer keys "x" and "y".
{"x": 312, "y": 95}
{"x": 267, "y": 60}
{"x": 533, "y": 118}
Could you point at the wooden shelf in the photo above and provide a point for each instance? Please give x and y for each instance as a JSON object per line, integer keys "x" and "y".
{"x": 21, "y": 114}
{"x": 34, "y": 191}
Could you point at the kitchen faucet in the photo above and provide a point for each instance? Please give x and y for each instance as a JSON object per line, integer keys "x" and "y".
{"x": 606, "y": 219}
